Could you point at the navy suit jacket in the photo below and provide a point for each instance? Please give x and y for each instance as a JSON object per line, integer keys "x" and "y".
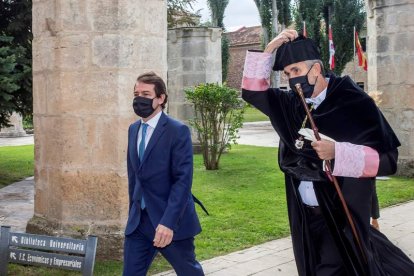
{"x": 164, "y": 177}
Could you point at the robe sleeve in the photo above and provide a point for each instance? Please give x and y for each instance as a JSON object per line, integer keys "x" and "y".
{"x": 388, "y": 163}
{"x": 256, "y": 79}
{"x": 361, "y": 161}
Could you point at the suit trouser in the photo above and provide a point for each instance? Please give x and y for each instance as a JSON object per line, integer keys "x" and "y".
{"x": 328, "y": 260}
{"x": 139, "y": 252}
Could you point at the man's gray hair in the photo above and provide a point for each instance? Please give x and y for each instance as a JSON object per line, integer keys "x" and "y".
{"x": 309, "y": 64}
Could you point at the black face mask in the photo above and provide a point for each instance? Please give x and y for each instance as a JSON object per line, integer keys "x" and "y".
{"x": 143, "y": 106}
{"x": 307, "y": 88}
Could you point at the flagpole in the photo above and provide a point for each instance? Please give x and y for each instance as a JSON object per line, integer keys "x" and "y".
{"x": 305, "y": 33}
{"x": 331, "y": 48}
{"x": 354, "y": 55}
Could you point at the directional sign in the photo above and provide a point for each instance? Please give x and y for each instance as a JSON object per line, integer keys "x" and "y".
{"x": 22, "y": 256}
{"x": 63, "y": 253}
{"x": 48, "y": 243}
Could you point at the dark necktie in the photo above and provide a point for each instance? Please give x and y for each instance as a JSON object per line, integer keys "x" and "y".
{"x": 141, "y": 149}
{"x": 141, "y": 153}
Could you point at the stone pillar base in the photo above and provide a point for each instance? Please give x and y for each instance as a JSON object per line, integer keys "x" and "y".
{"x": 405, "y": 167}
{"x": 110, "y": 237}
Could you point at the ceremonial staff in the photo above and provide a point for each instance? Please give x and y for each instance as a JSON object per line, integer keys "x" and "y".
{"x": 333, "y": 179}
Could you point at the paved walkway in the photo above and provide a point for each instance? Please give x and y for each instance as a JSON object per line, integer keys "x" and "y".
{"x": 18, "y": 141}
{"x": 16, "y": 204}
{"x": 276, "y": 257}
{"x": 258, "y": 134}
{"x": 268, "y": 259}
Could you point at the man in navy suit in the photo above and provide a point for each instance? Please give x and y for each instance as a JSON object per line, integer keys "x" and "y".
{"x": 162, "y": 215}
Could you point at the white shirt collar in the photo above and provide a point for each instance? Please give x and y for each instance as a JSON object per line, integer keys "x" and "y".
{"x": 154, "y": 120}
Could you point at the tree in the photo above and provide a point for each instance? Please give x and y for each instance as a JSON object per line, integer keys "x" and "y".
{"x": 271, "y": 12}
{"x": 343, "y": 15}
{"x": 265, "y": 12}
{"x": 218, "y": 116}
{"x": 9, "y": 78}
{"x": 310, "y": 12}
{"x": 284, "y": 14}
{"x": 225, "y": 57}
{"x": 217, "y": 8}
{"x": 178, "y": 13}
{"x": 15, "y": 58}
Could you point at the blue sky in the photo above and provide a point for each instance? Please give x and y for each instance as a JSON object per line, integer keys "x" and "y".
{"x": 238, "y": 13}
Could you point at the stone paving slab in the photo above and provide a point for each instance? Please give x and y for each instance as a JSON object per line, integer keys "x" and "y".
{"x": 276, "y": 257}
{"x": 17, "y": 204}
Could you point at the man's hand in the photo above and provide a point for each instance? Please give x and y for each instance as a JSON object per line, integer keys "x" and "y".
{"x": 375, "y": 224}
{"x": 325, "y": 149}
{"x": 163, "y": 236}
{"x": 285, "y": 36}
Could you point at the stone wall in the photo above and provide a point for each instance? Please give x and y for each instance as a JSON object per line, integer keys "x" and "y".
{"x": 391, "y": 64}
{"x": 86, "y": 57}
{"x": 356, "y": 73}
{"x": 194, "y": 57}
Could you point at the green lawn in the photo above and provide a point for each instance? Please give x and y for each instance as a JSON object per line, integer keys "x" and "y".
{"x": 251, "y": 114}
{"x": 16, "y": 163}
{"x": 246, "y": 200}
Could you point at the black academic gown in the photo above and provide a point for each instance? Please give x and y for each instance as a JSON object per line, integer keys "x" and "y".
{"x": 347, "y": 114}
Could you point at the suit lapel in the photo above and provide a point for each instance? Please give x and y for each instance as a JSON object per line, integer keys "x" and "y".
{"x": 158, "y": 131}
{"x": 133, "y": 149}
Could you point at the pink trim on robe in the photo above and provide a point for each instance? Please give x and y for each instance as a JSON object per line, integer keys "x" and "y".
{"x": 371, "y": 162}
{"x": 257, "y": 70}
{"x": 355, "y": 160}
{"x": 255, "y": 84}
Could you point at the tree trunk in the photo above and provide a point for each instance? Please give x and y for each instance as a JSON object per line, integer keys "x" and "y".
{"x": 275, "y": 79}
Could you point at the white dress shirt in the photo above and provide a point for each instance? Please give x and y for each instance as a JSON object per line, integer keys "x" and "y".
{"x": 306, "y": 191}
{"x": 152, "y": 123}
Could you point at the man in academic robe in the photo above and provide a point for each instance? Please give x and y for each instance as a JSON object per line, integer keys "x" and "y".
{"x": 359, "y": 142}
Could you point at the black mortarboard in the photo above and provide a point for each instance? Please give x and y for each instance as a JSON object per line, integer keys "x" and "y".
{"x": 298, "y": 50}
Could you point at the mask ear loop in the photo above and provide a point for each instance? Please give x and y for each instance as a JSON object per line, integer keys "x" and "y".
{"x": 316, "y": 80}
{"x": 307, "y": 73}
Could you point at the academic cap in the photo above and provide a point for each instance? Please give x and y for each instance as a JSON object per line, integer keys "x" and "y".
{"x": 298, "y": 50}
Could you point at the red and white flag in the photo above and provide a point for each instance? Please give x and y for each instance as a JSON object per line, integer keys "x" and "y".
{"x": 331, "y": 50}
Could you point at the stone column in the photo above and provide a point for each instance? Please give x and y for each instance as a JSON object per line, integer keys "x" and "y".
{"x": 16, "y": 128}
{"x": 194, "y": 57}
{"x": 390, "y": 67}
{"x": 86, "y": 57}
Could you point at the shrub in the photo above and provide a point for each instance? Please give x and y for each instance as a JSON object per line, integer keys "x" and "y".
{"x": 218, "y": 117}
